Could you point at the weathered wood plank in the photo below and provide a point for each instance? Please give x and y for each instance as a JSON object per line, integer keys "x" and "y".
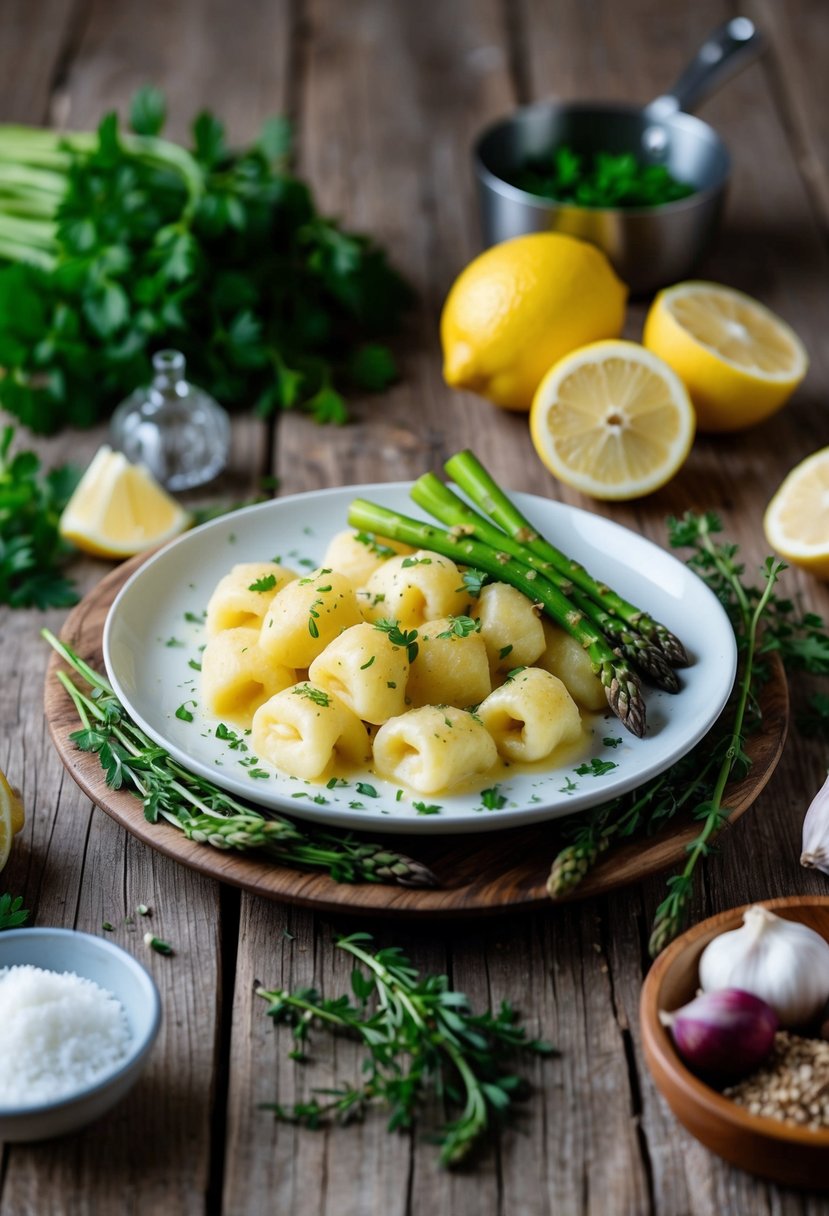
{"x": 74, "y": 866}
{"x": 32, "y": 55}
{"x": 769, "y": 210}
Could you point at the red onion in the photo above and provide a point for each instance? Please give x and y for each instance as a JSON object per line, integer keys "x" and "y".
{"x": 724, "y": 1034}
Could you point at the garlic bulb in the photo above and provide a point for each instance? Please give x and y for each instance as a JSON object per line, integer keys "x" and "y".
{"x": 782, "y": 961}
{"x": 816, "y": 831}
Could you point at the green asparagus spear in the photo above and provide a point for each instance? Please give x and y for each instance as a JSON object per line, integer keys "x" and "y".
{"x": 620, "y": 683}
{"x": 472, "y": 477}
{"x": 442, "y": 502}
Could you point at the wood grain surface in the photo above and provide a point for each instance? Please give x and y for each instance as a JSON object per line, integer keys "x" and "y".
{"x": 385, "y": 97}
{"x": 492, "y": 872}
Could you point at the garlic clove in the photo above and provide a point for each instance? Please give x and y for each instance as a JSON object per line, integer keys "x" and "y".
{"x": 815, "y": 852}
{"x": 783, "y": 962}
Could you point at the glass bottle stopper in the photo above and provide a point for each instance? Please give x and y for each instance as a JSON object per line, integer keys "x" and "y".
{"x": 173, "y": 427}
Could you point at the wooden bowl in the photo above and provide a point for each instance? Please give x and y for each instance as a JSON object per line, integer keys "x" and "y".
{"x": 781, "y": 1151}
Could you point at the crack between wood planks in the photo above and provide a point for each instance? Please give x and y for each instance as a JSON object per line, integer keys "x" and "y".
{"x": 630, "y": 1058}
{"x": 230, "y": 901}
{"x": 76, "y": 29}
{"x": 515, "y": 38}
{"x": 792, "y": 118}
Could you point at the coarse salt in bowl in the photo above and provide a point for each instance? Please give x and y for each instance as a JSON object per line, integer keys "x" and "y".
{"x": 111, "y": 1011}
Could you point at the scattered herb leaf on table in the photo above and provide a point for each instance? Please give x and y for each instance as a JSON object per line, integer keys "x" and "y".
{"x": 422, "y": 1039}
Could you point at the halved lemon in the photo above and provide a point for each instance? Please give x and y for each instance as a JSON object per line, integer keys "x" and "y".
{"x": 11, "y": 817}
{"x": 119, "y": 509}
{"x": 796, "y": 522}
{"x": 612, "y": 420}
{"x": 739, "y": 361}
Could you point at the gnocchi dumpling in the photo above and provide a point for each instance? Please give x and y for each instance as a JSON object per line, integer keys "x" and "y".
{"x": 413, "y": 589}
{"x": 567, "y": 659}
{"x": 236, "y": 677}
{"x": 308, "y": 732}
{"x": 366, "y": 670}
{"x": 357, "y": 555}
{"x": 433, "y": 748}
{"x": 244, "y": 595}
{"x": 510, "y": 627}
{"x": 451, "y": 667}
{"x": 307, "y": 614}
{"x": 530, "y": 715}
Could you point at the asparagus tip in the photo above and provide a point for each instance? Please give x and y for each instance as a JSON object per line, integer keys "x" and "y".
{"x": 625, "y": 698}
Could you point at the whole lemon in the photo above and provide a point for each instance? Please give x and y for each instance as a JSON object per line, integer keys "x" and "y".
{"x": 519, "y": 307}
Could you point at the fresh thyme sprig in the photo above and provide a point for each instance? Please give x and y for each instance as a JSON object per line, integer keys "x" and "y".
{"x": 421, "y": 1038}
{"x": 202, "y": 811}
{"x": 698, "y": 780}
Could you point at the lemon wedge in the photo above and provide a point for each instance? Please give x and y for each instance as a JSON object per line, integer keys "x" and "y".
{"x": 11, "y": 817}
{"x": 796, "y": 522}
{"x": 521, "y": 305}
{"x": 739, "y": 361}
{"x": 119, "y": 509}
{"x": 612, "y": 420}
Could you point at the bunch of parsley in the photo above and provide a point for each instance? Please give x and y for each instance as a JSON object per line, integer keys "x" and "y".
{"x": 32, "y": 552}
{"x": 216, "y": 252}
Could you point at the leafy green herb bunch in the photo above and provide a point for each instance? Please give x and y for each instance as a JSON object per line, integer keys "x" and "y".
{"x": 122, "y": 243}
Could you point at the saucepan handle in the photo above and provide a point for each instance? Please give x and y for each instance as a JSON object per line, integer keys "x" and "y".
{"x": 724, "y": 53}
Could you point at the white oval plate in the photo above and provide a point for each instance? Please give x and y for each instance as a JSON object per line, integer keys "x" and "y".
{"x": 154, "y": 633}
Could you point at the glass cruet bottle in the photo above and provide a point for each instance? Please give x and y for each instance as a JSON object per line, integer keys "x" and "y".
{"x": 176, "y": 429}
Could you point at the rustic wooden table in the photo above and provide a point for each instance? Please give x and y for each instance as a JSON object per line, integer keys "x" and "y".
{"x": 386, "y": 97}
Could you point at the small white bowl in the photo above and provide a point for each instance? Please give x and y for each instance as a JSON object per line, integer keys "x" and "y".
{"x": 112, "y": 968}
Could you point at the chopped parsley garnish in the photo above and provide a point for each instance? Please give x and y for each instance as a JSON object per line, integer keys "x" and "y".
{"x": 427, "y": 808}
{"x": 313, "y": 694}
{"x": 406, "y": 639}
{"x": 266, "y": 583}
{"x": 611, "y": 742}
{"x": 493, "y": 799}
{"x": 368, "y": 791}
{"x": 473, "y": 581}
{"x": 183, "y": 713}
{"x": 460, "y": 627}
{"x": 596, "y": 767}
{"x": 373, "y": 545}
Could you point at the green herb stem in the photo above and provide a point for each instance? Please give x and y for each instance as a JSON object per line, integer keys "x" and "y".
{"x": 203, "y": 812}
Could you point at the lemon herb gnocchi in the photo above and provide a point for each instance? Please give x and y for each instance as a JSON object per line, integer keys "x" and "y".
{"x": 390, "y": 660}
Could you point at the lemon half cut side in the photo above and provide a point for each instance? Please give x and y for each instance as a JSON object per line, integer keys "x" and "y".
{"x": 118, "y": 509}
{"x": 612, "y": 420}
{"x": 739, "y": 361}
{"x": 11, "y": 817}
{"x": 796, "y": 522}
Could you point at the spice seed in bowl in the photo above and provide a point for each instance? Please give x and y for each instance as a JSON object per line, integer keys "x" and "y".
{"x": 792, "y": 1085}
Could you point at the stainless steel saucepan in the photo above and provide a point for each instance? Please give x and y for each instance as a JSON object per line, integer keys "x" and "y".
{"x": 648, "y": 246}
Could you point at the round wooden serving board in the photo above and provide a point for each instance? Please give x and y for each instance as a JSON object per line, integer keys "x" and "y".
{"x": 478, "y": 874}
